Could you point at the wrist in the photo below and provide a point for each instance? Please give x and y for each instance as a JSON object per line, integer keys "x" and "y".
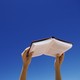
{"x": 57, "y": 68}
{"x": 25, "y": 66}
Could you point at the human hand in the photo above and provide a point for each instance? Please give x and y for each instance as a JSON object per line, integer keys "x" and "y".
{"x": 26, "y": 56}
{"x": 59, "y": 60}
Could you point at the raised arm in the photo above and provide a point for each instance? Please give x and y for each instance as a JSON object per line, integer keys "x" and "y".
{"x": 58, "y": 62}
{"x": 26, "y": 56}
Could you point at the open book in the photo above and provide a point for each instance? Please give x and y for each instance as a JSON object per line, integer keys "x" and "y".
{"x": 49, "y": 46}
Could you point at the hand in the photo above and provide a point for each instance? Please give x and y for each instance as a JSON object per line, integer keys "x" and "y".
{"x": 59, "y": 60}
{"x": 26, "y": 56}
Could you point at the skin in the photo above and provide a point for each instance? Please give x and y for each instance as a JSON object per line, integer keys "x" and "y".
{"x": 58, "y": 62}
{"x": 27, "y": 59}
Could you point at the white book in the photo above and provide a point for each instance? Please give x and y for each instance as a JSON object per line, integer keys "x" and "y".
{"x": 50, "y": 47}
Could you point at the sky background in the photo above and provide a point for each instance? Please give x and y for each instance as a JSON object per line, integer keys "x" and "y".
{"x": 22, "y": 21}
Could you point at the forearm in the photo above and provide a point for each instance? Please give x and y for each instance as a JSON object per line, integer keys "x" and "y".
{"x": 24, "y": 72}
{"x": 57, "y": 74}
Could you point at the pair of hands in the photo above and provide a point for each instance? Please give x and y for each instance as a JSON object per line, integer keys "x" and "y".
{"x": 27, "y": 59}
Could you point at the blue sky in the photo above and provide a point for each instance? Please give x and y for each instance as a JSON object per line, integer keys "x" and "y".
{"x": 22, "y": 21}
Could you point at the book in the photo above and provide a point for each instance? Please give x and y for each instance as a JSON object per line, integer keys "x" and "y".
{"x": 49, "y": 46}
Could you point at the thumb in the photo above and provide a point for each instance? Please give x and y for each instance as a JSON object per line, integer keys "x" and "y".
{"x": 30, "y": 54}
{"x": 57, "y": 58}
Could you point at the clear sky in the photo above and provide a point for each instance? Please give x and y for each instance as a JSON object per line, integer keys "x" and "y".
{"x": 22, "y": 21}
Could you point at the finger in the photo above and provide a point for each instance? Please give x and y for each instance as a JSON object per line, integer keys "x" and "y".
{"x": 30, "y": 54}
{"x": 57, "y": 58}
{"x": 61, "y": 58}
{"x": 25, "y": 51}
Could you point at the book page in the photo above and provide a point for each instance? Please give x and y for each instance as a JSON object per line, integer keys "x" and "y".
{"x": 40, "y": 48}
{"x": 58, "y": 47}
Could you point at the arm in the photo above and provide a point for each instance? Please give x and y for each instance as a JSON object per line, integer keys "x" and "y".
{"x": 26, "y": 62}
{"x": 58, "y": 62}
